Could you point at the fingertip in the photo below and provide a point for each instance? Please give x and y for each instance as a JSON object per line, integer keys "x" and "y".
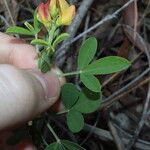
{"x": 53, "y": 86}
{"x": 57, "y": 71}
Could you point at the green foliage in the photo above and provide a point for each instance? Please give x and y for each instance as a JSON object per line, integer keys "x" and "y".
{"x": 19, "y": 30}
{"x": 60, "y": 38}
{"x": 64, "y": 145}
{"x": 69, "y": 95}
{"x": 75, "y": 121}
{"x": 71, "y": 146}
{"x": 107, "y": 65}
{"x": 78, "y": 102}
{"x": 39, "y": 42}
{"x": 30, "y": 31}
{"x": 29, "y": 26}
{"x": 36, "y": 23}
{"x": 54, "y": 146}
{"x": 91, "y": 82}
{"x": 87, "y": 52}
{"x": 88, "y": 101}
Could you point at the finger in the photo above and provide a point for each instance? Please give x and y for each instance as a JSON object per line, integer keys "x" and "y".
{"x": 16, "y": 52}
{"x": 5, "y": 39}
{"x": 25, "y": 94}
{"x": 19, "y": 55}
{"x": 22, "y": 56}
{"x": 58, "y": 106}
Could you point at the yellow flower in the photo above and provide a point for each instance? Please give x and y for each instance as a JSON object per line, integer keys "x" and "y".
{"x": 66, "y": 13}
{"x": 43, "y": 14}
{"x": 53, "y": 8}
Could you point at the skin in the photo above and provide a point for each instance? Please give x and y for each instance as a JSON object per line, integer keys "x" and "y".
{"x": 24, "y": 91}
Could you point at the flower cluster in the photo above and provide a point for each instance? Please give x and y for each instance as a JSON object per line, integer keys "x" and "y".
{"x": 56, "y": 10}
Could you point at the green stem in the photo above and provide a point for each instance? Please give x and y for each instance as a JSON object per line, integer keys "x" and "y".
{"x": 44, "y": 141}
{"x": 53, "y": 132}
{"x": 70, "y": 73}
{"x": 51, "y": 33}
{"x": 63, "y": 112}
{"x": 37, "y": 47}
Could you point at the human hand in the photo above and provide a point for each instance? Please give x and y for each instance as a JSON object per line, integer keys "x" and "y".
{"x": 24, "y": 91}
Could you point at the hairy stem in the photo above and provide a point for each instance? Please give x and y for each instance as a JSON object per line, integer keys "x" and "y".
{"x": 70, "y": 73}
{"x": 53, "y": 132}
{"x": 63, "y": 112}
{"x": 37, "y": 47}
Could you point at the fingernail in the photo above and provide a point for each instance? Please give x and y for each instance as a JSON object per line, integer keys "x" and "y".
{"x": 50, "y": 84}
{"x": 53, "y": 85}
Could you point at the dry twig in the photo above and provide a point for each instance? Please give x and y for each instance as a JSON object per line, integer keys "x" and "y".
{"x": 62, "y": 50}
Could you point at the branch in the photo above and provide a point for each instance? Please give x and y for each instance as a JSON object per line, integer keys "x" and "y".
{"x": 62, "y": 51}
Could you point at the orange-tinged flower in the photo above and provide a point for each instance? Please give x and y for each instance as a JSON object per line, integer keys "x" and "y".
{"x": 67, "y": 13}
{"x": 43, "y": 14}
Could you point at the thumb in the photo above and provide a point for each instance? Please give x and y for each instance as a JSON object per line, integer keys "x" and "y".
{"x": 25, "y": 94}
{"x": 51, "y": 87}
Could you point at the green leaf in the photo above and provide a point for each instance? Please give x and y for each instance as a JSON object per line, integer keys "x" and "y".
{"x": 87, "y": 52}
{"x": 29, "y": 26}
{"x": 54, "y": 146}
{"x": 69, "y": 95}
{"x": 88, "y": 102}
{"x": 60, "y": 38}
{"x": 91, "y": 82}
{"x": 39, "y": 42}
{"x": 19, "y": 30}
{"x": 37, "y": 24}
{"x": 75, "y": 121}
{"x": 107, "y": 65}
{"x": 71, "y": 145}
{"x": 64, "y": 145}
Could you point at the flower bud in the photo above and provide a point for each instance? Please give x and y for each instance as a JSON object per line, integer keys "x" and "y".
{"x": 43, "y": 14}
{"x": 53, "y": 8}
